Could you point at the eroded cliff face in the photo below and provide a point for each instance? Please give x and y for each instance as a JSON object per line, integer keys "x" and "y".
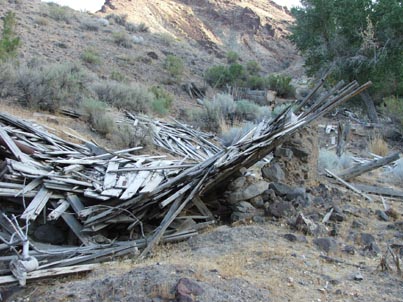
{"x": 256, "y": 29}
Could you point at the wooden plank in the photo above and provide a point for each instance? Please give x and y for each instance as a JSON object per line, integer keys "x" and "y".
{"x": 57, "y": 212}
{"x": 112, "y": 192}
{"x": 202, "y": 207}
{"x": 366, "y": 167}
{"x": 348, "y": 185}
{"x": 135, "y": 185}
{"x": 110, "y": 175}
{"x": 6, "y": 140}
{"x": 37, "y": 204}
{"x": 379, "y": 190}
{"x": 27, "y": 168}
{"x": 29, "y": 187}
{"x": 51, "y": 272}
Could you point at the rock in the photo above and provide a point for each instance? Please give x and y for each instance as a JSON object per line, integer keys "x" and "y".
{"x": 318, "y": 200}
{"x": 245, "y": 207}
{"x": 372, "y": 249}
{"x": 152, "y": 55}
{"x": 382, "y": 215}
{"x": 186, "y": 289}
{"x": 294, "y": 238}
{"x": 281, "y": 209}
{"x": 280, "y": 189}
{"x": 257, "y": 202}
{"x": 326, "y": 244}
{"x": 364, "y": 239}
{"x": 49, "y": 233}
{"x": 254, "y": 190}
{"x": 300, "y": 152}
{"x": 273, "y": 172}
{"x": 238, "y": 183}
{"x": 306, "y": 225}
{"x": 259, "y": 219}
{"x": 269, "y": 196}
{"x": 295, "y": 193}
{"x": 358, "y": 277}
{"x": 283, "y": 153}
{"x": 290, "y": 237}
{"x": 357, "y": 224}
{"x": 349, "y": 249}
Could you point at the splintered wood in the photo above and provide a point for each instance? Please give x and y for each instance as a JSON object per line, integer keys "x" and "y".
{"x": 115, "y": 203}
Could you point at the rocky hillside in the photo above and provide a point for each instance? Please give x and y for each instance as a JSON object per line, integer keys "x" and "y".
{"x": 255, "y": 29}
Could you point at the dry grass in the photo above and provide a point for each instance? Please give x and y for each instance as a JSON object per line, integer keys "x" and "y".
{"x": 378, "y": 146}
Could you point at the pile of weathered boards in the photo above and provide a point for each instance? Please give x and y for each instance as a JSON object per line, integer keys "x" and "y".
{"x": 65, "y": 204}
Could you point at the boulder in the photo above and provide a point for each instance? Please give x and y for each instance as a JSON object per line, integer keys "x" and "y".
{"x": 281, "y": 209}
{"x": 273, "y": 172}
{"x": 326, "y": 244}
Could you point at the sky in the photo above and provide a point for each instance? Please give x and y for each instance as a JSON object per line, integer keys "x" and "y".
{"x": 94, "y": 5}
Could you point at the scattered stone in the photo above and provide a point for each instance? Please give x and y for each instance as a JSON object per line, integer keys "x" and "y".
{"x": 283, "y": 153}
{"x": 269, "y": 196}
{"x": 372, "y": 249}
{"x": 358, "y": 277}
{"x": 364, "y": 238}
{"x": 243, "y": 210}
{"x": 255, "y": 189}
{"x": 280, "y": 189}
{"x": 290, "y": 237}
{"x": 186, "y": 289}
{"x": 326, "y": 244}
{"x": 281, "y": 209}
{"x": 349, "y": 249}
{"x": 382, "y": 215}
{"x": 306, "y": 225}
{"x": 259, "y": 219}
{"x": 152, "y": 55}
{"x": 257, "y": 202}
{"x": 295, "y": 193}
{"x": 357, "y": 224}
{"x": 273, "y": 172}
{"x": 318, "y": 200}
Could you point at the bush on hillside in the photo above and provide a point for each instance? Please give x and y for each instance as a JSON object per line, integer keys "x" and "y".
{"x": 281, "y": 84}
{"x": 232, "y": 57}
{"x": 117, "y": 19}
{"x": 175, "y": 67}
{"x": 50, "y": 86}
{"x": 162, "y": 100}
{"x": 97, "y": 116}
{"x": 134, "y": 97}
{"x": 90, "y": 56}
{"x": 9, "y": 41}
{"x": 122, "y": 39}
{"x": 58, "y": 13}
{"x": 393, "y": 108}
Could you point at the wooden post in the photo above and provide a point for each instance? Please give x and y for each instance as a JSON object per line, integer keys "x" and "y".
{"x": 369, "y": 103}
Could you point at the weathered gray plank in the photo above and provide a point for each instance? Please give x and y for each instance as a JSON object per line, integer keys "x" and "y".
{"x": 37, "y": 204}
{"x": 110, "y": 175}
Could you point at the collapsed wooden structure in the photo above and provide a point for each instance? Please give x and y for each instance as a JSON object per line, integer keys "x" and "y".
{"x": 116, "y": 203}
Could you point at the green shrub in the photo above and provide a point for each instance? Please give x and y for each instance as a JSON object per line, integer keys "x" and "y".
{"x": 141, "y": 27}
{"x": 253, "y": 68}
{"x": 236, "y": 73}
{"x": 175, "y": 67}
{"x": 256, "y": 82}
{"x": 247, "y": 110}
{"x": 162, "y": 100}
{"x": 117, "y": 76}
{"x": 97, "y": 116}
{"x": 7, "y": 78}
{"x": 217, "y": 76}
{"x": 9, "y": 41}
{"x": 58, "y": 13}
{"x": 51, "y": 86}
{"x": 122, "y": 39}
{"x": 90, "y": 56}
{"x": 225, "y": 105}
{"x": 42, "y": 21}
{"x": 117, "y": 19}
{"x": 281, "y": 84}
{"x": 393, "y": 107}
{"x": 166, "y": 39}
{"x": 133, "y": 97}
{"x": 232, "y": 57}
{"x": 90, "y": 25}
{"x": 329, "y": 160}
{"x": 234, "y": 134}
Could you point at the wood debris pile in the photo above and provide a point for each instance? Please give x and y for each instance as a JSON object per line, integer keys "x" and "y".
{"x": 116, "y": 203}
{"x": 179, "y": 139}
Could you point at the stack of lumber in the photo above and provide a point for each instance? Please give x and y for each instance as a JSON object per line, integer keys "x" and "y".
{"x": 117, "y": 202}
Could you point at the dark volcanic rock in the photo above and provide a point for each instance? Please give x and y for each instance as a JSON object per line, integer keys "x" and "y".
{"x": 326, "y": 244}
{"x": 281, "y": 209}
{"x": 273, "y": 172}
